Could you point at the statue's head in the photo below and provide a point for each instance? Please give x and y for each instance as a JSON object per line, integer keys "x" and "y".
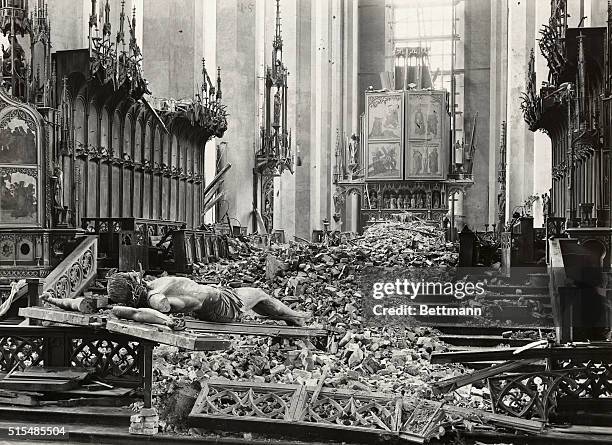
{"x": 127, "y": 288}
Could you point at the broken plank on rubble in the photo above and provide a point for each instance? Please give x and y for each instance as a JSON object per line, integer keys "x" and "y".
{"x": 21, "y": 398}
{"x": 481, "y": 416}
{"x": 595, "y": 350}
{"x": 164, "y": 335}
{"x": 61, "y": 373}
{"x": 482, "y": 374}
{"x": 582, "y": 429}
{"x": 62, "y": 316}
{"x": 265, "y": 330}
{"x": 38, "y": 384}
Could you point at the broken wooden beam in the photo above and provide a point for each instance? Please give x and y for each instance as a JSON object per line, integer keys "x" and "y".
{"x": 57, "y": 315}
{"x": 212, "y": 203}
{"x": 583, "y": 351}
{"x": 216, "y": 179}
{"x": 161, "y": 334}
{"x": 264, "y": 330}
{"x": 208, "y": 196}
{"x": 21, "y": 398}
{"x": 480, "y": 416}
{"x": 454, "y": 383}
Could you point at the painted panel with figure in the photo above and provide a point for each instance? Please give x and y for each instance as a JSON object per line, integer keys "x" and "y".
{"x": 18, "y": 196}
{"x": 384, "y": 116}
{"x": 424, "y": 160}
{"x": 426, "y": 127}
{"x": 425, "y": 116}
{"x": 384, "y": 133}
{"x": 384, "y": 160}
{"x": 17, "y": 139}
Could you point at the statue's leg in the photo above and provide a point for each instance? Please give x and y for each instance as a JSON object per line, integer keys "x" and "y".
{"x": 263, "y": 304}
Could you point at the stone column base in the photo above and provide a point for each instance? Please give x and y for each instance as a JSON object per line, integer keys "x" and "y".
{"x": 146, "y": 422}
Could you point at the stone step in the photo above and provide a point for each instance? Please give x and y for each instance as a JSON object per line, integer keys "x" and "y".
{"x": 452, "y": 313}
{"x": 539, "y": 279}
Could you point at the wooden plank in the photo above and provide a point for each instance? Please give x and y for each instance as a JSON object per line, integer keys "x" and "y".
{"x": 595, "y": 350}
{"x": 57, "y": 315}
{"x": 209, "y": 205}
{"x": 209, "y": 195}
{"x": 478, "y": 415}
{"x": 61, "y": 373}
{"x": 582, "y": 429}
{"x": 115, "y": 392}
{"x": 453, "y": 383}
{"x": 92, "y": 401}
{"x": 265, "y": 330}
{"x": 166, "y": 336}
{"x": 38, "y": 385}
{"x": 21, "y": 398}
{"x": 216, "y": 179}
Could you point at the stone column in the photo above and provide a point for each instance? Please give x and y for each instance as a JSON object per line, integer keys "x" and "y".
{"x": 477, "y": 93}
{"x": 209, "y": 19}
{"x": 542, "y": 156}
{"x": 173, "y": 47}
{"x": 303, "y": 137}
{"x": 519, "y": 177}
{"x": 237, "y": 57}
{"x": 498, "y": 76}
{"x": 285, "y": 209}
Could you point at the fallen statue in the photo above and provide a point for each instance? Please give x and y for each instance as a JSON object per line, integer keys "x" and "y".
{"x": 207, "y": 302}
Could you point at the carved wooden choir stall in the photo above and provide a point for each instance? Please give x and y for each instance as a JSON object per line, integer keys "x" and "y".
{"x": 573, "y": 108}
{"x": 95, "y": 177}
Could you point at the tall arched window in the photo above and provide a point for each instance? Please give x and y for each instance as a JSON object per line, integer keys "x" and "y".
{"x": 105, "y": 131}
{"x": 138, "y": 141}
{"x": 174, "y": 151}
{"x": 148, "y": 143}
{"x": 78, "y": 128}
{"x": 128, "y": 130}
{"x": 116, "y": 141}
{"x": 157, "y": 147}
{"x": 93, "y": 130}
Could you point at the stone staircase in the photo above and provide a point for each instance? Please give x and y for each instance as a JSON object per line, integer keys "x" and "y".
{"x": 514, "y": 312}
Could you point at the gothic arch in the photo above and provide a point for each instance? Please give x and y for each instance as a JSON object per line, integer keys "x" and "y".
{"x": 79, "y": 126}
{"x": 148, "y": 142}
{"x": 106, "y": 135}
{"x": 128, "y": 138}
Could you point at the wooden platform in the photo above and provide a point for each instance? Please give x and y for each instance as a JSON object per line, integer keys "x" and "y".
{"x": 56, "y": 315}
{"x": 265, "y": 330}
{"x": 164, "y": 335}
{"x": 194, "y": 327}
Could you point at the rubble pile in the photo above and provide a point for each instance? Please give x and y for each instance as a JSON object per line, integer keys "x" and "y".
{"x": 324, "y": 280}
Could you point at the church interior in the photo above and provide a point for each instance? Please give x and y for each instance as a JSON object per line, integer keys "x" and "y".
{"x": 306, "y": 221}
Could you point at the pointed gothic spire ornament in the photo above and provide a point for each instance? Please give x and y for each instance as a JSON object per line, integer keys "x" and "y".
{"x": 273, "y": 155}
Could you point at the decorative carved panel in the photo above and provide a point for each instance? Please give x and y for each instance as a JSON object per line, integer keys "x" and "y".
{"x": 109, "y": 358}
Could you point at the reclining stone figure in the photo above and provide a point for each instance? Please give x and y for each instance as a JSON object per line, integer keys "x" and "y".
{"x": 207, "y": 302}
